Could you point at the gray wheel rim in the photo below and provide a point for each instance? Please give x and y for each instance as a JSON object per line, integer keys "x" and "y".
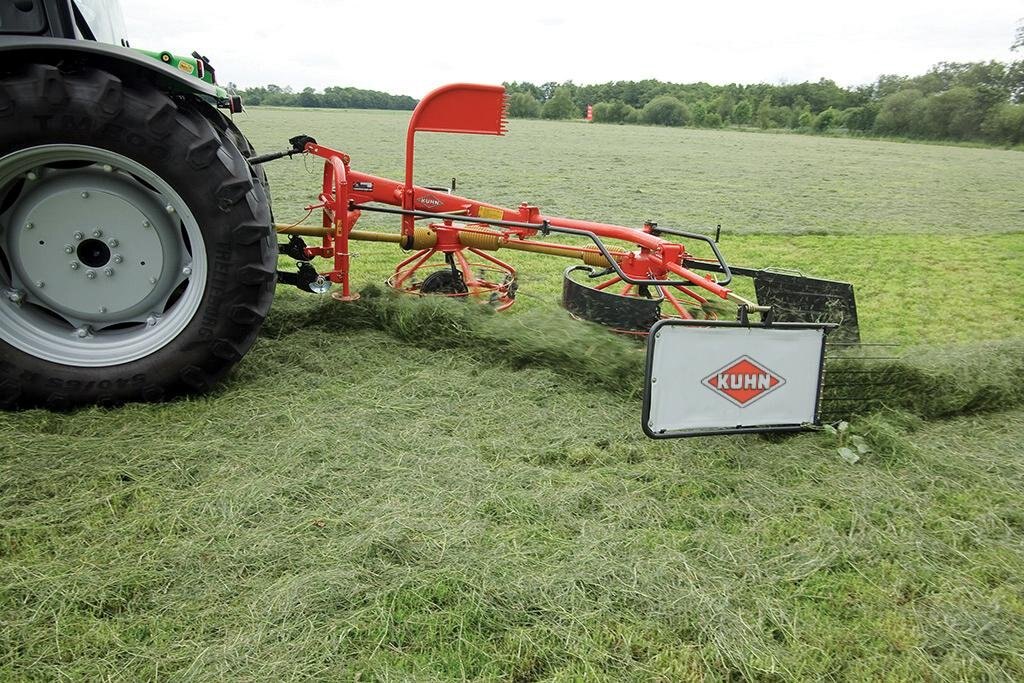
{"x": 101, "y": 261}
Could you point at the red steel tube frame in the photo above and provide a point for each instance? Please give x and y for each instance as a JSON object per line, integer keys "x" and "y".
{"x": 343, "y": 187}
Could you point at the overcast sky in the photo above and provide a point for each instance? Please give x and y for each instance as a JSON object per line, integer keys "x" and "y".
{"x": 410, "y": 47}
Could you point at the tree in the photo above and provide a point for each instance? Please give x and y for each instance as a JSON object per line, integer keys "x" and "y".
{"x": 860, "y": 119}
{"x": 560, "y": 106}
{"x": 615, "y": 111}
{"x": 955, "y": 114}
{"x": 723, "y": 105}
{"x": 1015, "y": 81}
{"x": 1005, "y": 124}
{"x": 712, "y": 120}
{"x": 900, "y": 113}
{"x": 764, "y": 112}
{"x": 665, "y": 111}
{"x": 698, "y": 110}
{"x": 806, "y": 119}
{"x": 523, "y": 105}
{"x": 1018, "y": 43}
{"x": 829, "y": 118}
{"x": 741, "y": 113}
{"x": 308, "y": 98}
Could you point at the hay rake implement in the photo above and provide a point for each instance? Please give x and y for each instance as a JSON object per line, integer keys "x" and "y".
{"x": 641, "y": 281}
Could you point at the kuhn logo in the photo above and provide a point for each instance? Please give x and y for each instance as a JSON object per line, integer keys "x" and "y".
{"x": 429, "y": 202}
{"x": 743, "y": 381}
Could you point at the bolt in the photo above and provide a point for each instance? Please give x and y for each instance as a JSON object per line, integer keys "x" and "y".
{"x": 83, "y": 331}
{"x": 103, "y": 309}
{"x": 68, "y": 249}
{"x": 118, "y": 258}
{"x": 169, "y": 208}
{"x": 152, "y": 280}
{"x": 90, "y": 274}
{"x": 186, "y": 271}
{"x": 15, "y": 296}
{"x": 151, "y": 320}
{"x": 108, "y": 272}
{"x": 107, "y": 167}
{"x": 40, "y": 284}
{"x": 85, "y": 195}
{"x": 79, "y": 235}
{"x": 146, "y": 224}
{"x": 74, "y": 265}
{"x": 654, "y": 380}
{"x": 97, "y": 233}
{"x": 32, "y": 175}
{"x": 29, "y": 226}
{"x": 112, "y": 243}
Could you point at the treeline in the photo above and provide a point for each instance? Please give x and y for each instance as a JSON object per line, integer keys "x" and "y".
{"x": 981, "y": 101}
{"x": 334, "y": 97}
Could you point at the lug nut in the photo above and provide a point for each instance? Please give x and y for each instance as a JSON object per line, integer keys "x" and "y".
{"x": 103, "y": 309}
{"x": 40, "y": 284}
{"x": 79, "y": 235}
{"x": 68, "y": 249}
{"x": 112, "y": 243}
{"x": 85, "y": 195}
{"x": 83, "y": 331}
{"x": 32, "y": 175}
{"x": 74, "y": 265}
{"x": 107, "y": 167}
{"x": 146, "y": 224}
{"x": 90, "y": 274}
{"x": 29, "y": 226}
{"x": 108, "y": 271}
{"x": 97, "y": 233}
{"x": 169, "y": 209}
{"x": 15, "y": 297}
{"x": 186, "y": 271}
{"x": 152, "y": 280}
{"x": 151, "y": 320}
{"x": 118, "y": 258}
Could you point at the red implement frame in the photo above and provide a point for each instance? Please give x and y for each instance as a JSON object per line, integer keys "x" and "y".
{"x": 479, "y": 109}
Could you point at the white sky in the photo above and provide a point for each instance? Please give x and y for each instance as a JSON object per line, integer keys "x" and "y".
{"x": 410, "y": 47}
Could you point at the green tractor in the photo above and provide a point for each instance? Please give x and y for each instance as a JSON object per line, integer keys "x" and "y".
{"x": 137, "y": 253}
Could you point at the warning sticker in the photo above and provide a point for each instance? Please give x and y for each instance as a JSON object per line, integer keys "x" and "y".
{"x": 490, "y": 212}
{"x": 186, "y": 67}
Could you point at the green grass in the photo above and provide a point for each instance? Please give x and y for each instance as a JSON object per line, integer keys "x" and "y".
{"x": 748, "y": 183}
{"x": 417, "y": 490}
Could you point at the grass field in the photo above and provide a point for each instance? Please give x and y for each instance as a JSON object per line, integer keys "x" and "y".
{"x": 403, "y": 490}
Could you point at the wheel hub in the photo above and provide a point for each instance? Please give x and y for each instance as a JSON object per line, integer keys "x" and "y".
{"x": 101, "y": 261}
{"x": 83, "y": 237}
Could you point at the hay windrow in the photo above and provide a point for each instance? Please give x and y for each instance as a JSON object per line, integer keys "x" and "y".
{"x": 550, "y": 339}
{"x": 929, "y": 382}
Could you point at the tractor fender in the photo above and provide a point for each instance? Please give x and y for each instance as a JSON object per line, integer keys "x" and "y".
{"x": 113, "y": 58}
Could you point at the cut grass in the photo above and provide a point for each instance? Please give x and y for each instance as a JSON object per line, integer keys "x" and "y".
{"x": 426, "y": 513}
{"x": 685, "y": 178}
{"x": 420, "y": 490}
{"x": 927, "y": 382}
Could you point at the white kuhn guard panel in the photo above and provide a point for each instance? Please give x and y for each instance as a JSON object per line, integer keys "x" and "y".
{"x": 704, "y": 378}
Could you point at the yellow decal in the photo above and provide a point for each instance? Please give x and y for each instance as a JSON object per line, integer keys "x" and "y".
{"x": 186, "y": 67}
{"x": 489, "y": 212}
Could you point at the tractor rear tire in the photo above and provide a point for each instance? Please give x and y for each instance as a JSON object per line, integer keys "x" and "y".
{"x": 259, "y": 174}
{"x": 137, "y": 257}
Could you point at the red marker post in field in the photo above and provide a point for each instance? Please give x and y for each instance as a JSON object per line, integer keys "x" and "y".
{"x": 590, "y": 112}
